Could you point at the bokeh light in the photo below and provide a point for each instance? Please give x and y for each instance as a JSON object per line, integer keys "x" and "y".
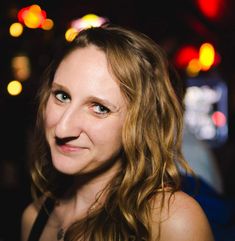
{"x": 87, "y": 21}
{"x": 16, "y": 29}
{"x": 193, "y": 68}
{"x": 71, "y": 34}
{"x": 206, "y": 55}
{"x": 47, "y": 24}
{"x": 21, "y": 67}
{"x": 218, "y": 118}
{"x": 184, "y": 55}
{"x": 212, "y": 9}
{"x": 14, "y": 87}
{"x": 32, "y": 16}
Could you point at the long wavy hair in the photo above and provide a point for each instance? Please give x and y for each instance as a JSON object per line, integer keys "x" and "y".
{"x": 151, "y": 137}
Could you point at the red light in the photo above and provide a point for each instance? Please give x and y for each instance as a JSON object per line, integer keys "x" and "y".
{"x": 184, "y": 55}
{"x": 43, "y": 14}
{"x": 217, "y": 59}
{"x": 32, "y": 16}
{"x": 218, "y": 118}
{"x": 21, "y": 14}
{"x": 212, "y": 9}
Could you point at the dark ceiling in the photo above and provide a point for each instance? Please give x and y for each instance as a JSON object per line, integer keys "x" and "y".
{"x": 171, "y": 23}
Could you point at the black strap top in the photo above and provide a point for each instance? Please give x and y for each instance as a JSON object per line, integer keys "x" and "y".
{"x": 41, "y": 220}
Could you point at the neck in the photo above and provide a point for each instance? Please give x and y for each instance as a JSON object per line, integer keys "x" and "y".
{"x": 89, "y": 188}
{"x": 89, "y": 192}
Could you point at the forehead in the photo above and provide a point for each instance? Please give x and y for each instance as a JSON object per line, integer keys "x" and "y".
{"x": 88, "y": 62}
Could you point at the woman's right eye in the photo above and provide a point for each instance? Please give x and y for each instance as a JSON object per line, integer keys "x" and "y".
{"x": 62, "y": 96}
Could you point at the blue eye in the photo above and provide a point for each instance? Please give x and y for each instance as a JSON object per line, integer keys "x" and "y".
{"x": 100, "y": 109}
{"x": 62, "y": 96}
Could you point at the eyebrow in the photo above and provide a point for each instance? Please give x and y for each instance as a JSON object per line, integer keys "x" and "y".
{"x": 61, "y": 87}
{"x": 103, "y": 102}
{"x": 90, "y": 98}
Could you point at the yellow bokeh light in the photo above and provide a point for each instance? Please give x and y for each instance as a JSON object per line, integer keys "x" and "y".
{"x": 206, "y": 55}
{"x": 16, "y": 29}
{"x": 71, "y": 34}
{"x": 90, "y": 17}
{"x": 14, "y": 87}
{"x": 193, "y": 68}
{"x": 48, "y": 24}
{"x": 87, "y": 21}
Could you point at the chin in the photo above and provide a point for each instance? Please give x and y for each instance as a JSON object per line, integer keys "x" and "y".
{"x": 65, "y": 166}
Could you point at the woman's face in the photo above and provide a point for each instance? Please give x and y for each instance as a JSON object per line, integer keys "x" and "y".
{"x": 85, "y": 113}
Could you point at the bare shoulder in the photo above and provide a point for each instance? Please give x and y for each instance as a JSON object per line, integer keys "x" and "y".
{"x": 182, "y": 218}
{"x": 28, "y": 217}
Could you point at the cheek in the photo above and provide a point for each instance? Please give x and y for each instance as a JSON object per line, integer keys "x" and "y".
{"x": 51, "y": 116}
{"x": 107, "y": 133}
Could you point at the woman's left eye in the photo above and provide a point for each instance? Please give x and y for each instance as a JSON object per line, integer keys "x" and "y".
{"x": 100, "y": 109}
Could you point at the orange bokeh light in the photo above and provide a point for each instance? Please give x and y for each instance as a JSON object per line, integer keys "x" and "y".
{"x": 32, "y": 16}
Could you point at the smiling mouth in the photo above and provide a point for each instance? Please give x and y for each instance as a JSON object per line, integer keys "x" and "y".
{"x": 66, "y": 148}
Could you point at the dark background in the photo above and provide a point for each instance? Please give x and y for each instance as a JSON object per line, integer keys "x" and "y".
{"x": 171, "y": 23}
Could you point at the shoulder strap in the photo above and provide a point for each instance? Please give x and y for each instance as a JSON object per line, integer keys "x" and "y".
{"x": 41, "y": 220}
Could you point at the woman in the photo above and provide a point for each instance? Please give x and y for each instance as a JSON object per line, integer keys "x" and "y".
{"x": 108, "y": 145}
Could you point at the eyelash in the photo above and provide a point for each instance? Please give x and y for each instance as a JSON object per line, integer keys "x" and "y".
{"x": 64, "y": 96}
{"x": 104, "y": 110}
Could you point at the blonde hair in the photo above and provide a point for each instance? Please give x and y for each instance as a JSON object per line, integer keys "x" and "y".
{"x": 151, "y": 137}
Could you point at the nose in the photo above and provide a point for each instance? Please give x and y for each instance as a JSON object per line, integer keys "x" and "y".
{"x": 70, "y": 123}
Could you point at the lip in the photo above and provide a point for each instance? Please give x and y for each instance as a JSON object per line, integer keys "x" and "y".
{"x": 66, "y": 148}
